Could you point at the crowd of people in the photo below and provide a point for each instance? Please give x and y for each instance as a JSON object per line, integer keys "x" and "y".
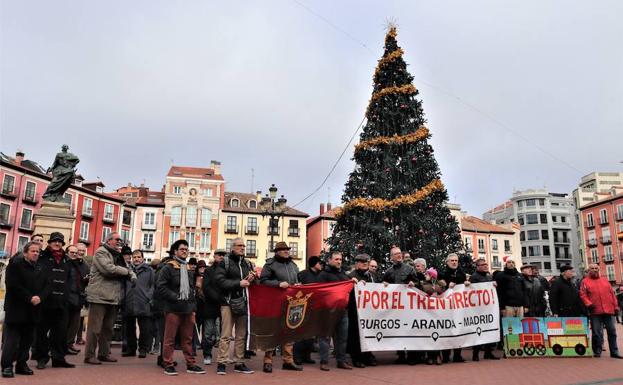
{"x": 181, "y": 303}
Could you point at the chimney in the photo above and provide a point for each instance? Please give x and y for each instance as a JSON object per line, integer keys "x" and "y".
{"x": 216, "y": 166}
{"x": 329, "y": 206}
{"x": 321, "y": 208}
{"x": 19, "y": 157}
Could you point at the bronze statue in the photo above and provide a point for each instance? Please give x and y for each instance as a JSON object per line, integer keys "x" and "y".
{"x": 63, "y": 174}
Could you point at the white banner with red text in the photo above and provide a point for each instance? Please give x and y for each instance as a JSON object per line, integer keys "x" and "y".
{"x": 396, "y": 317}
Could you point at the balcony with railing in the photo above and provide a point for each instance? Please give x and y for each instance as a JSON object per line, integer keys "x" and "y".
{"x": 608, "y": 258}
{"x": 562, "y": 240}
{"x": 148, "y": 226}
{"x": 603, "y": 221}
{"x": 481, "y": 250}
{"x": 8, "y": 193}
{"x": 496, "y": 265}
{"x": 592, "y": 242}
{"x": 6, "y": 222}
{"x": 232, "y": 229}
{"x": 293, "y": 231}
{"x": 619, "y": 216}
{"x": 605, "y": 240}
{"x": 148, "y": 247}
{"x": 590, "y": 224}
{"x": 29, "y": 199}
{"x": 273, "y": 230}
{"x": 251, "y": 230}
{"x": 109, "y": 218}
{"x": 26, "y": 226}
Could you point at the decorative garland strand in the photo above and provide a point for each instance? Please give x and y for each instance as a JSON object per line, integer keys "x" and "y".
{"x": 380, "y": 204}
{"x": 406, "y": 89}
{"x": 387, "y": 59}
{"x": 420, "y": 134}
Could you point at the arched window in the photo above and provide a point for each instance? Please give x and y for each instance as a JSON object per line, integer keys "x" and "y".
{"x": 235, "y": 202}
{"x": 252, "y": 204}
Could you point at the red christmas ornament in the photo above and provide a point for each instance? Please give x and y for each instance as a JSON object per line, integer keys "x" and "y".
{"x": 414, "y": 160}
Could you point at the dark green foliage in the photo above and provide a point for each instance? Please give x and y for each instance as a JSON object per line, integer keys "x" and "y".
{"x": 424, "y": 229}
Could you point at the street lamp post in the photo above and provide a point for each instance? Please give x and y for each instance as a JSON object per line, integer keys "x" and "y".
{"x": 272, "y": 207}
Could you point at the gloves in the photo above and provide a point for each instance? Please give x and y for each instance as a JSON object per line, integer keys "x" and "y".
{"x": 133, "y": 277}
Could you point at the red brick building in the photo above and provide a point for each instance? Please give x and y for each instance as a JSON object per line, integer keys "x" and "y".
{"x": 320, "y": 228}
{"x": 602, "y": 222}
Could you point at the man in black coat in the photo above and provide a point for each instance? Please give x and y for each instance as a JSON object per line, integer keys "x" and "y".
{"x": 304, "y": 348}
{"x": 176, "y": 288}
{"x": 51, "y": 331}
{"x": 482, "y": 274}
{"x": 403, "y": 274}
{"x": 534, "y": 292}
{"x": 564, "y": 295}
{"x": 333, "y": 273}
{"x": 25, "y": 290}
{"x": 77, "y": 281}
{"x": 211, "y": 306}
{"x": 360, "y": 273}
{"x": 453, "y": 275}
{"x": 510, "y": 291}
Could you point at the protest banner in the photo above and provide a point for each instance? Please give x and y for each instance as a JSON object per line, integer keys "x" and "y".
{"x": 400, "y": 318}
{"x": 546, "y": 337}
{"x": 298, "y": 312}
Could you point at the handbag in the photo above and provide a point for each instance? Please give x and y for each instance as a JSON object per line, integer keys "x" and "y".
{"x": 238, "y": 306}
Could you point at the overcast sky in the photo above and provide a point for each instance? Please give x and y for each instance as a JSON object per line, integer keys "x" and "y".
{"x": 518, "y": 94}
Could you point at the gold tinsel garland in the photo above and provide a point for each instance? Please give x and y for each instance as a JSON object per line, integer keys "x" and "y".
{"x": 419, "y": 134}
{"x": 379, "y": 204}
{"x": 406, "y": 89}
{"x": 387, "y": 59}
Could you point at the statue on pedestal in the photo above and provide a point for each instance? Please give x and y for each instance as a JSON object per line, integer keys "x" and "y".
{"x": 63, "y": 174}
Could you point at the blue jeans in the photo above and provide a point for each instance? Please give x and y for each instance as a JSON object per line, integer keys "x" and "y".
{"x": 598, "y": 321}
{"x": 341, "y": 336}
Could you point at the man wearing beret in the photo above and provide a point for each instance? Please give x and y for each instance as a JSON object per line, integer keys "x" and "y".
{"x": 51, "y": 331}
{"x": 564, "y": 296}
{"x": 282, "y": 272}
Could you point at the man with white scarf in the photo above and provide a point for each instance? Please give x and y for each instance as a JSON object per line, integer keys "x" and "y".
{"x": 178, "y": 297}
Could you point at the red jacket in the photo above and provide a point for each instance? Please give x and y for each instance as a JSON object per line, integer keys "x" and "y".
{"x": 598, "y": 296}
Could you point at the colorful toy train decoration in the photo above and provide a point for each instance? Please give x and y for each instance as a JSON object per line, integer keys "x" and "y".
{"x": 562, "y": 334}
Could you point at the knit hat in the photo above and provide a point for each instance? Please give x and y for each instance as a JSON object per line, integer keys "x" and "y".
{"x": 564, "y": 268}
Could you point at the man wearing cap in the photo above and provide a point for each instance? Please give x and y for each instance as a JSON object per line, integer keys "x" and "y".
{"x": 564, "y": 295}
{"x": 51, "y": 333}
{"x": 534, "y": 292}
{"x": 211, "y": 307}
{"x": 361, "y": 274}
{"x": 280, "y": 271}
{"x": 104, "y": 292}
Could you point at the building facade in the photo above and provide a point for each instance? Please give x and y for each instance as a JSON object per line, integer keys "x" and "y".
{"x": 193, "y": 197}
{"x": 319, "y": 229}
{"x": 548, "y": 230}
{"x": 590, "y": 188}
{"x": 603, "y": 230}
{"x": 494, "y": 243}
{"x": 241, "y": 216}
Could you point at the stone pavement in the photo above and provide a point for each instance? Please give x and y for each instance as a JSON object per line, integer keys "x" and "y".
{"x": 550, "y": 371}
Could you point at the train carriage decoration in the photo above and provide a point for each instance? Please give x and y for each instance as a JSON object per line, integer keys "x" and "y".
{"x": 553, "y": 337}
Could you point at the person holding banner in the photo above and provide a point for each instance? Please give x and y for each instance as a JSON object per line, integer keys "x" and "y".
{"x": 453, "y": 275}
{"x": 361, "y": 274}
{"x": 401, "y": 273}
{"x": 599, "y": 298}
{"x": 482, "y": 274}
{"x": 333, "y": 273}
{"x": 281, "y": 272}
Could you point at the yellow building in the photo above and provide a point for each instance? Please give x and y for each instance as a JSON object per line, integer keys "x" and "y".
{"x": 241, "y": 216}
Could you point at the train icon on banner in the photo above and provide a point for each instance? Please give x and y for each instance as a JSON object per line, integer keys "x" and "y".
{"x": 533, "y": 337}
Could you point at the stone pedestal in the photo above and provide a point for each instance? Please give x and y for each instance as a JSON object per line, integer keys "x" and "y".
{"x": 54, "y": 216}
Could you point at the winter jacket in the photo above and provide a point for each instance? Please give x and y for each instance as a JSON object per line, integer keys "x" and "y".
{"x": 24, "y": 280}
{"x": 278, "y": 270}
{"x": 106, "y": 278}
{"x": 364, "y": 276}
{"x": 333, "y": 274}
{"x": 598, "y": 296}
{"x": 138, "y": 297}
{"x": 534, "y": 293}
{"x": 212, "y": 295}
{"x": 228, "y": 278}
{"x": 456, "y": 276}
{"x": 58, "y": 273}
{"x": 479, "y": 277}
{"x": 564, "y": 298}
{"x": 157, "y": 302}
{"x": 401, "y": 273}
{"x": 510, "y": 288}
{"x": 77, "y": 281}
{"x": 309, "y": 276}
{"x": 168, "y": 287}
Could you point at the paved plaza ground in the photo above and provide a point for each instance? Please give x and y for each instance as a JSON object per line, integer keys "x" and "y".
{"x": 550, "y": 371}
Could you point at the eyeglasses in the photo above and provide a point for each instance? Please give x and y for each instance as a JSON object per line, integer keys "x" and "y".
{"x": 117, "y": 239}
{"x": 240, "y": 245}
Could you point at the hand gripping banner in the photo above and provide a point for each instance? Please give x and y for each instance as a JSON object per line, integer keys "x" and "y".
{"x": 400, "y": 318}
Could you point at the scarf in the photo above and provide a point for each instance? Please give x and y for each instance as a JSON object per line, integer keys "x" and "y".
{"x": 58, "y": 255}
{"x": 184, "y": 284}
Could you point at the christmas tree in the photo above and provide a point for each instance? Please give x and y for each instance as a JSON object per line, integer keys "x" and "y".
{"x": 395, "y": 195}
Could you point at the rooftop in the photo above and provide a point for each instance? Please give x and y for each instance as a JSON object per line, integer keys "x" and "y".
{"x": 244, "y": 205}
{"x": 478, "y": 225}
{"x": 194, "y": 172}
